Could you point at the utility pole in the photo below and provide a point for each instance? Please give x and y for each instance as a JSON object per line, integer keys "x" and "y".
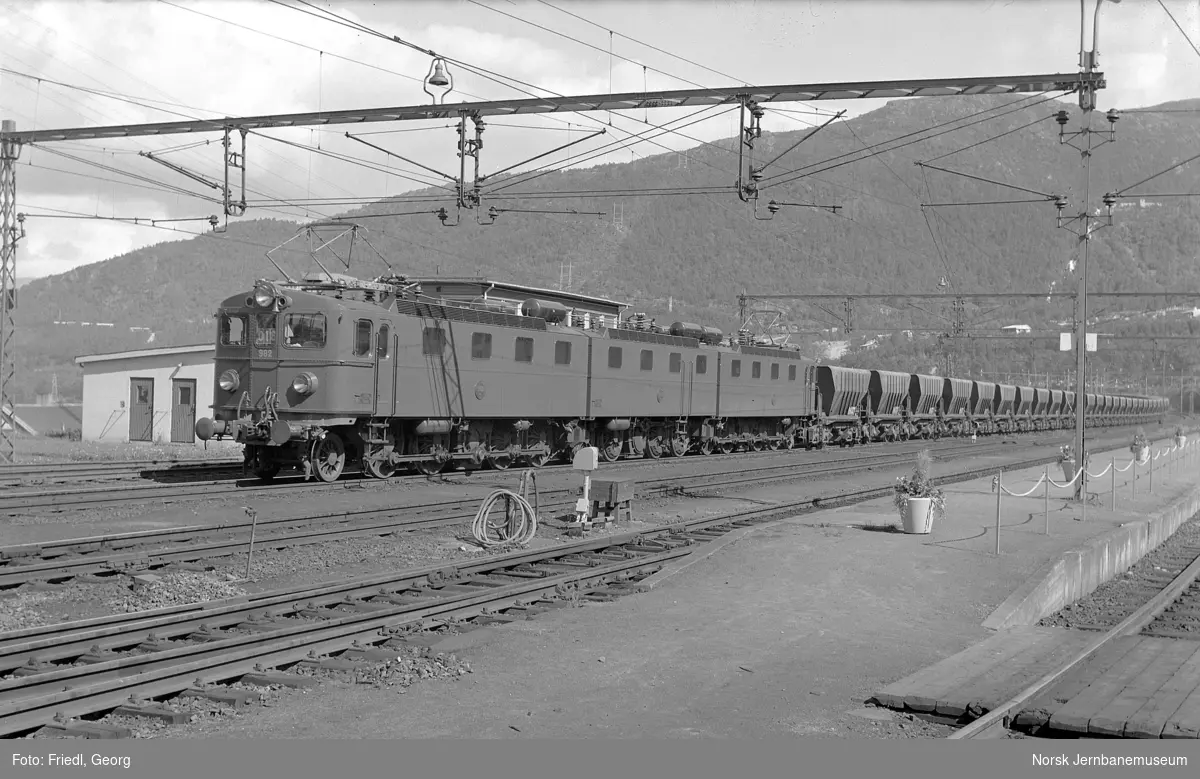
{"x": 1087, "y": 102}
{"x": 10, "y": 233}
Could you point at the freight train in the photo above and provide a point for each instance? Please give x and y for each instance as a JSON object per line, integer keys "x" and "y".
{"x": 331, "y": 372}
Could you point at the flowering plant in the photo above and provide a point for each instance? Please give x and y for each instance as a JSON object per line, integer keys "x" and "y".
{"x": 1179, "y": 432}
{"x": 1066, "y": 453}
{"x": 1140, "y": 442}
{"x": 920, "y": 485}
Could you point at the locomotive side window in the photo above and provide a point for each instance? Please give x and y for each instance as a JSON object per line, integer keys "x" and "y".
{"x": 774, "y": 371}
{"x": 433, "y": 341}
{"x": 562, "y": 352}
{"x": 756, "y": 370}
{"x": 702, "y": 363}
{"x": 675, "y": 362}
{"x": 791, "y": 373}
{"x": 362, "y": 337}
{"x": 233, "y": 330}
{"x": 264, "y": 326}
{"x": 481, "y": 346}
{"x": 384, "y": 343}
{"x": 647, "y": 360}
{"x": 614, "y": 357}
{"x": 524, "y": 350}
{"x": 735, "y": 368}
{"x": 304, "y": 331}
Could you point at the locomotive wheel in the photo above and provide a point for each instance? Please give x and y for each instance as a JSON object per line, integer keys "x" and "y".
{"x": 611, "y": 452}
{"x": 329, "y": 458}
{"x": 539, "y": 459}
{"x": 707, "y": 446}
{"x": 378, "y": 469}
{"x": 758, "y": 444}
{"x": 266, "y": 472}
{"x": 679, "y": 446}
{"x": 654, "y": 448}
{"x": 432, "y": 466}
{"x": 727, "y": 447}
{"x": 499, "y": 462}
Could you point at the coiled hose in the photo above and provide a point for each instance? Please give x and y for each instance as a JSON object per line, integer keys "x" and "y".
{"x": 520, "y": 523}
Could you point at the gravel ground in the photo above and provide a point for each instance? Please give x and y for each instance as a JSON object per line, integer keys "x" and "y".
{"x": 41, "y": 449}
{"x": 27, "y": 609}
{"x": 1114, "y": 600}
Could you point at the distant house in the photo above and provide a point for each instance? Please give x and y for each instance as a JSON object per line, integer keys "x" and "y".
{"x": 1017, "y": 329}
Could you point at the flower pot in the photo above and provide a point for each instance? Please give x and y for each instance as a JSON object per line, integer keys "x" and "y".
{"x": 1068, "y": 469}
{"x": 1180, "y": 440}
{"x": 918, "y": 516}
{"x": 1143, "y": 455}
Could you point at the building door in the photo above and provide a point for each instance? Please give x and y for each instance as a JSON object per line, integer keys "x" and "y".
{"x": 183, "y": 411}
{"x": 141, "y": 409}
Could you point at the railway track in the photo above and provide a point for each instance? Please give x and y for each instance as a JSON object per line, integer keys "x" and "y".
{"x": 58, "y": 679}
{"x": 194, "y": 485}
{"x": 103, "y": 557}
{"x": 41, "y": 473}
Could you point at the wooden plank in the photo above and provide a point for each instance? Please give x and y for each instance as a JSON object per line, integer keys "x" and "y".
{"x": 920, "y": 692}
{"x": 1149, "y": 721}
{"x": 1003, "y": 682}
{"x": 956, "y": 701}
{"x": 1038, "y": 711}
{"x": 1185, "y": 722}
{"x": 1078, "y": 712}
{"x": 1113, "y": 718}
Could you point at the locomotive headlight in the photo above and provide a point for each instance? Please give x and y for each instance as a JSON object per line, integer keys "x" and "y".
{"x": 229, "y": 381}
{"x": 264, "y": 297}
{"x": 305, "y": 383}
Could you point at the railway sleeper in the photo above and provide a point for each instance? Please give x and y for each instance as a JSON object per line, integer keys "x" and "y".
{"x": 223, "y": 695}
{"x": 63, "y": 727}
{"x": 142, "y": 710}
{"x": 261, "y": 677}
{"x": 331, "y": 664}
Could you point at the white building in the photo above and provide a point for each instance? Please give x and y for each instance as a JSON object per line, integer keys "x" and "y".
{"x": 147, "y": 395}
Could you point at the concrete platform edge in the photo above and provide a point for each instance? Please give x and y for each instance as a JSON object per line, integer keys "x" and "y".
{"x": 1078, "y": 572}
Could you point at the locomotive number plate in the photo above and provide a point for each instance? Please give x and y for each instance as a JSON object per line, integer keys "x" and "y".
{"x": 266, "y": 353}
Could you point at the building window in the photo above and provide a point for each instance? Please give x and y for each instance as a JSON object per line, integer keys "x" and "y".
{"x": 304, "y": 331}
{"x": 481, "y": 346}
{"x": 774, "y": 371}
{"x": 433, "y": 342}
{"x": 562, "y": 352}
{"x": 384, "y": 343}
{"x": 702, "y": 363}
{"x": 735, "y": 368}
{"x": 614, "y": 357}
{"x": 524, "y": 350}
{"x": 756, "y": 370}
{"x": 233, "y": 331}
{"x": 362, "y": 337}
{"x": 647, "y": 360}
{"x": 675, "y": 363}
{"x": 791, "y": 373}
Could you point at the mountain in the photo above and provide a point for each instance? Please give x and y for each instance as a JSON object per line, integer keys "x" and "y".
{"x": 687, "y": 256}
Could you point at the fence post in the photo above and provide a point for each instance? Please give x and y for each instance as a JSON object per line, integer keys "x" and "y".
{"x": 999, "y": 492}
{"x": 1113, "y": 466}
{"x": 1133, "y": 478}
{"x": 1046, "y": 501}
{"x": 1151, "y": 473}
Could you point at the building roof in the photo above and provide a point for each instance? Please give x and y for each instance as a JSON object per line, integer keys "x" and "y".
{"x": 163, "y": 352}
{"x": 45, "y": 419}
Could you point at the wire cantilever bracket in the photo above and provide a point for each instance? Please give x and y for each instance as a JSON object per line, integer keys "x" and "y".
{"x": 443, "y": 215}
{"x": 748, "y": 176}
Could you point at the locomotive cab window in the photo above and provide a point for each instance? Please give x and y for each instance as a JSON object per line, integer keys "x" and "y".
{"x": 614, "y": 357}
{"x": 304, "y": 331}
{"x": 362, "y": 337}
{"x": 735, "y": 368}
{"x": 675, "y": 363}
{"x": 481, "y": 346}
{"x": 384, "y": 343}
{"x": 702, "y": 363}
{"x": 562, "y": 352}
{"x": 774, "y": 370}
{"x": 647, "y": 360}
{"x": 524, "y": 350}
{"x": 233, "y": 330}
{"x": 791, "y": 373}
{"x": 264, "y": 330}
{"x": 433, "y": 341}
{"x": 756, "y": 370}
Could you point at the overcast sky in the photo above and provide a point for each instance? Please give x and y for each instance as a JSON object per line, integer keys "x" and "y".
{"x": 183, "y": 59}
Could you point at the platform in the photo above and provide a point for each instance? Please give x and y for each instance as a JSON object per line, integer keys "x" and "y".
{"x": 1134, "y": 687}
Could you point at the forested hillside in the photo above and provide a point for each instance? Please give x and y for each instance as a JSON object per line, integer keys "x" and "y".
{"x": 687, "y": 257}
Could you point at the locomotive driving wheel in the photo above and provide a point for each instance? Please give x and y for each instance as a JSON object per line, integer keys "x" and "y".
{"x": 499, "y": 460}
{"x": 266, "y": 467}
{"x": 328, "y": 457}
{"x": 707, "y": 446}
{"x": 612, "y": 451}
{"x": 679, "y": 446}
{"x": 654, "y": 448}
{"x": 434, "y": 464}
{"x": 379, "y": 469}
